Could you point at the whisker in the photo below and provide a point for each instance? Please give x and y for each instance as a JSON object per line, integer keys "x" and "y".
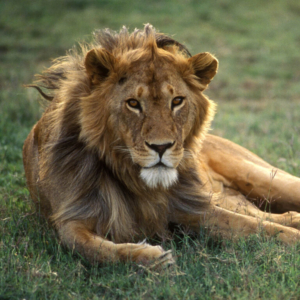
{"x": 187, "y": 153}
{"x": 115, "y": 141}
{"x": 121, "y": 149}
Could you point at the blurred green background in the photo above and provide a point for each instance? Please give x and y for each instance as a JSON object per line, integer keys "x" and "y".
{"x": 257, "y": 91}
{"x": 256, "y": 41}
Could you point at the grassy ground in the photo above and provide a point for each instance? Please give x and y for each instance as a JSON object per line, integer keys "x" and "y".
{"x": 257, "y": 91}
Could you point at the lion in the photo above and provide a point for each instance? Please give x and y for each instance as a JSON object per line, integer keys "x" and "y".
{"x": 122, "y": 151}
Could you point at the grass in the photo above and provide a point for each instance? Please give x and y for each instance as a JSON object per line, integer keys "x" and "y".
{"x": 257, "y": 91}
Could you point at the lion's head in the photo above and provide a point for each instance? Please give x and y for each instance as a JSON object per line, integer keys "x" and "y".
{"x": 116, "y": 143}
{"x": 145, "y": 100}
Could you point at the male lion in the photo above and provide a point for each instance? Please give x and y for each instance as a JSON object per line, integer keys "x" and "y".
{"x": 122, "y": 151}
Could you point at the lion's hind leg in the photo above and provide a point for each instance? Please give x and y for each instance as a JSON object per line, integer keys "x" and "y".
{"x": 234, "y": 201}
{"x": 239, "y": 169}
{"x": 231, "y": 224}
{"x": 77, "y": 236}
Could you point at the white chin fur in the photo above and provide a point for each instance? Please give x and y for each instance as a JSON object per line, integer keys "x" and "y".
{"x": 156, "y": 176}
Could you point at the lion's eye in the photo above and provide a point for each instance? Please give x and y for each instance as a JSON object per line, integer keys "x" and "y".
{"x": 177, "y": 101}
{"x": 134, "y": 104}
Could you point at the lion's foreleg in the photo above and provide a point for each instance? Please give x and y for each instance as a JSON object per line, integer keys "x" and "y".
{"x": 78, "y": 237}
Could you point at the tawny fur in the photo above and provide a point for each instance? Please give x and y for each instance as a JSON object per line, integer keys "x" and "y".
{"x": 119, "y": 106}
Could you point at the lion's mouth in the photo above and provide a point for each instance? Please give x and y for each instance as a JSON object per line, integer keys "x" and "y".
{"x": 159, "y": 164}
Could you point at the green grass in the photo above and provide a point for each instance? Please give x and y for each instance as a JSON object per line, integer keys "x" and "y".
{"x": 257, "y": 91}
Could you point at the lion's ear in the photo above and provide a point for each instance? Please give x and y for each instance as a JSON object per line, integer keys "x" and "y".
{"x": 205, "y": 67}
{"x": 98, "y": 64}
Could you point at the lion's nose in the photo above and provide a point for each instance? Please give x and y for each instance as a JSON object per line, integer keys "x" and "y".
{"x": 160, "y": 149}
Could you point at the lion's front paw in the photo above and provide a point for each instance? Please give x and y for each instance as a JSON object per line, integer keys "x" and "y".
{"x": 163, "y": 261}
{"x": 154, "y": 257}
